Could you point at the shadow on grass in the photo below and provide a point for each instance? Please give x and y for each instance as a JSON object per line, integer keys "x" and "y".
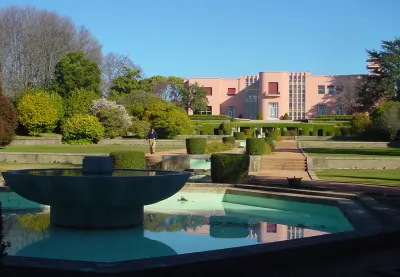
{"x": 395, "y": 152}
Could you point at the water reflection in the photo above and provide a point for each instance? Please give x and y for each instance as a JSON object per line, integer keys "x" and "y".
{"x": 79, "y": 173}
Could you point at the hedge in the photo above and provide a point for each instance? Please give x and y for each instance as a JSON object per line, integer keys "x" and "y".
{"x": 229, "y": 168}
{"x": 228, "y": 140}
{"x": 255, "y": 146}
{"x": 128, "y": 159}
{"x": 239, "y": 136}
{"x": 208, "y": 117}
{"x": 339, "y": 117}
{"x": 270, "y": 142}
{"x": 271, "y": 135}
{"x": 196, "y": 145}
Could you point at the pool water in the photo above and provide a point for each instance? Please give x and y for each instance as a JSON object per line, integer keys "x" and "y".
{"x": 206, "y": 221}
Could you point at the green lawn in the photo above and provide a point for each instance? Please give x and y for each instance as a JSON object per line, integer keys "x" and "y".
{"x": 382, "y": 177}
{"x": 353, "y": 152}
{"x": 93, "y": 148}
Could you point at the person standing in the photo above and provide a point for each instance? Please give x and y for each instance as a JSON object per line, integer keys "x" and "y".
{"x": 151, "y": 137}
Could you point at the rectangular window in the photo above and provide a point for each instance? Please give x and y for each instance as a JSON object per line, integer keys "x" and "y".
{"x": 321, "y": 89}
{"x": 321, "y": 110}
{"x": 340, "y": 110}
{"x": 271, "y": 228}
{"x": 231, "y": 91}
{"x": 273, "y": 88}
{"x": 331, "y": 89}
{"x": 232, "y": 111}
{"x": 208, "y": 90}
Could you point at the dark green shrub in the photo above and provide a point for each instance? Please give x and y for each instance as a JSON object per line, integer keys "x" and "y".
{"x": 286, "y": 116}
{"x": 259, "y": 116}
{"x": 360, "y": 123}
{"x": 220, "y": 132}
{"x": 345, "y": 131}
{"x": 328, "y": 134}
{"x": 271, "y": 143}
{"x": 239, "y": 136}
{"x": 249, "y": 132}
{"x": 285, "y": 133}
{"x": 292, "y": 133}
{"x": 255, "y": 146}
{"x": 227, "y": 132}
{"x": 196, "y": 145}
{"x": 208, "y": 117}
{"x": 218, "y": 146}
{"x": 128, "y": 159}
{"x": 203, "y": 133}
{"x": 229, "y": 168}
{"x": 277, "y": 132}
{"x": 271, "y": 135}
{"x": 228, "y": 140}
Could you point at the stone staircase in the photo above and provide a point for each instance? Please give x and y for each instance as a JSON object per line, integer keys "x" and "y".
{"x": 269, "y": 162}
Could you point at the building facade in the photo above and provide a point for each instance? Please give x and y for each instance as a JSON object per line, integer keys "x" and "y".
{"x": 272, "y": 94}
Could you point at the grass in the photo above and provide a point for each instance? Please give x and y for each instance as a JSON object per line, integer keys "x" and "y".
{"x": 380, "y": 177}
{"x": 93, "y": 148}
{"x": 44, "y": 135}
{"x": 353, "y": 152}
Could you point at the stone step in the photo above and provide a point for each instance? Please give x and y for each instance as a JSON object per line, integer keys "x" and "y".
{"x": 285, "y": 167}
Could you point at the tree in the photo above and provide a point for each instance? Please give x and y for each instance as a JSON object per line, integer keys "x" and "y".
{"x": 193, "y": 97}
{"x": 386, "y": 119}
{"x": 126, "y": 83}
{"x": 8, "y": 118}
{"x": 79, "y": 101}
{"x": 384, "y": 86}
{"x": 32, "y": 42}
{"x": 113, "y": 66}
{"x": 347, "y": 87}
{"x": 75, "y": 71}
{"x": 167, "y": 88}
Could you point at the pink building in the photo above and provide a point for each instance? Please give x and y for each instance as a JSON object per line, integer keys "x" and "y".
{"x": 300, "y": 94}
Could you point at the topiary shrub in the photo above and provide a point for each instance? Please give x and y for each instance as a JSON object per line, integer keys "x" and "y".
{"x": 239, "y": 136}
{"x": 82, "y": 129}
{"x": 259, "y": 116}
{"x": 249, "y": 132}
{"x": 8, "y": 120}
{"x": 255, "y": 146}
{"x": 128, "y": 159}
{"x": 196, "y": 145}
{"x": 229, "y": 168}
{"x": 286, "y": 116}
{"x": 218, "y": 146}
{"x": 220, "y": 132}
{"x": 271, "y": 143}
{"x": 38, "y": 111}
{"x": 271, "y": 135}
{"x": 268, "y": 149}
{"x": 228, "y": 140}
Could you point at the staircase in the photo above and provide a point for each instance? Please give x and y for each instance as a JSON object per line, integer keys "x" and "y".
{"x": 153, "y": 159}
{"x": 269, "y": 162}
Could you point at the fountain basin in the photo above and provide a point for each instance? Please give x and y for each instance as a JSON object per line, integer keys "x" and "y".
{"x": 82, "y": 199}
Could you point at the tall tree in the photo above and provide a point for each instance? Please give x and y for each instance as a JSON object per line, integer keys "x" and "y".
{"x": 386, "y": 85}
{"x": 168, "y": 88}
{"x": 193, "y": 97}
{"x": 74, "y": 71}
{"x": 347, "y": 87}
{"x": 32, "y": 42}
{"x": 126, "y": 83}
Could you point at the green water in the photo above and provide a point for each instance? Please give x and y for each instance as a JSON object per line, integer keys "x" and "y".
{"x": 206, "y": 221}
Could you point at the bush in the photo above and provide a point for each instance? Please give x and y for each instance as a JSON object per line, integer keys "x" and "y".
{"x": 220, "y": 132}
{"x": 79, "y": 101}
{"x": 229, "y": 168}
{"x": 128, "y": 159}
{"x": 203, "y": 133}
{"x": 271, "y": 143}
{"x": 218, "y": 146}
{"x": 292, "y": 133}
{"x": 8, "y": 120}
{"x": 255, "y": 146}
{"x": 209, "y": 117}
{"x": 196, "y": 145}
{"x": 386, "y": 119}
{"x": 82, "y": 129}
{"x": 268, "y": 149}
{"x": 335, "y": 117}
{"x": 360, "y": 123}
{"x": 228, "y": 140}
{"x": 285, "y": 133}
{"x": 140, "y": 128}
{"x": 38, "y": 111}
{"x": 239, "y": 136}
{"x": 271, "y": 135}
{"x": 259, "y": 116}
{"x": 286, "y": 116}
{"x": 249, "y": 133}
{"x": 227, "y": 132}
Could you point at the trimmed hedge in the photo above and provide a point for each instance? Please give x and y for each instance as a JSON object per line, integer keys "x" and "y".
{"x": 228, "y": 140}
{"x": 208, "y": 117}
{"x": 239, "y": 136}
{"x": 271, "y": 143}
{"x": 339, "y": 117}
{"x": 196, "y": 145}
{"x": 229, "y": 168}
{"x": 128, "y": 159}
{"x": 255, "y": 146}
{"x": 249, "y": 132}
{"x": 271, "y": 135}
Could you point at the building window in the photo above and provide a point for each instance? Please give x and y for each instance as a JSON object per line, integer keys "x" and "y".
{"x": 207, "y": 111}
{"x": 331, "y": 89}
{"x": 208, "y": 90}
{"x": 231, "y": 91}
{"x": 321, "y": 89}
{"x": 340, "y": 110}
{"x": 232, "y": 111}
{"x": 273, "y": 88}
{"x": 271, "y": 228}
{"x": 321, "y": 110}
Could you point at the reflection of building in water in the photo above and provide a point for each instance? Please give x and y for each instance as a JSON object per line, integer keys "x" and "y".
{"x": 200, "y": 230}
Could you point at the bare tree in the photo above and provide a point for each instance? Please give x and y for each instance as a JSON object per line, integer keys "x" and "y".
{"x": 113, "y": 66}
{"x": 32, "y": 42}
{"x": 347, "y": 87}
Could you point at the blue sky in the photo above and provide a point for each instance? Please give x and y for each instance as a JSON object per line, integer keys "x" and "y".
{"x": 230, "y": 38}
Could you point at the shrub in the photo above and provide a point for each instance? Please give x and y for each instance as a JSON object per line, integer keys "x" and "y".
{"x": 259, "y": 116}
{"x": 249, "y": 132}
{"x": 220, "y": 132}
{"x": 229, "y": 168}
{"x": 208, "y": 117}
{"x": 128, "y": 159}
{"x": 386, "y": 119}
{"x": 82, "y": 129}
{"x": 196, "y": 145}
{"x": 239, "y": 136}
{"x": 228, "y": 140}
{"x": 227, "y": 132}
{"x": 218, "y": 146}
{"x": 360, "y": 123}
{"x": 38, "y": 111}
{"x": 255, "y": 146}
{"x": 203, "y": 133}
{"x": 140, "y": 128}
{"x": 292, "y": 133}
{"x": 268, "y": 149}
{"x": 8, "y": 120}
{"x": 271, "y": 143}
{"x": 286, "y": 116}
{"x": 271, "y": 135}
{"x": 285, "y": 133}
{"x": 79, "y": 101}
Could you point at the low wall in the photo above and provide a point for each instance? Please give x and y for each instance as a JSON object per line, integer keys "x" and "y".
{"x": 160, "y": 142}
{"x": 36, "y": 141}
{"x": 315, "y": 163}
{"x": 342, "y": 144}
{"x": 44, "y": 158}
